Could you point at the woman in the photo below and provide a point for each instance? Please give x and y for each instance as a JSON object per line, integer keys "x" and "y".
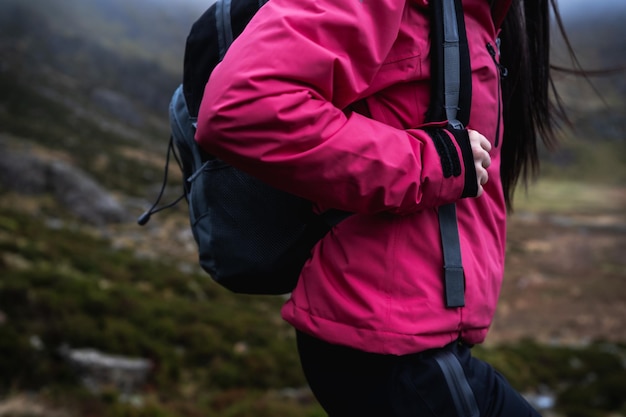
{"x": 327, "y": 99}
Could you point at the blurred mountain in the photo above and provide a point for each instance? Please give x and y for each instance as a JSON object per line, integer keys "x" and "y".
{"x": 598, "y": 39}
{"x": 89, "y": 82}
{"x": 584, "y": 10}
{"x": 84, "y": 90}
{"x": 97, "y": 44}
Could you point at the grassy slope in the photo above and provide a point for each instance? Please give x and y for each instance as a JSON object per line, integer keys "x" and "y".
{"x": 67, "y": 287}
{"x": 220, "y": 354}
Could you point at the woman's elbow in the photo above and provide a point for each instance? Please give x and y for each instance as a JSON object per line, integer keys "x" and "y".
{"x": 212, "y": 126}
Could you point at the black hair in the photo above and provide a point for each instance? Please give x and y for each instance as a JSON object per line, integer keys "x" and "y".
{"x": 532, "y": 109}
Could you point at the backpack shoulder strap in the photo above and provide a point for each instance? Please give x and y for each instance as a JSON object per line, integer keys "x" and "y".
{"x": 208, "y": 40}
{"x": 224, "y": 27}
{"x": 451, "y": 100}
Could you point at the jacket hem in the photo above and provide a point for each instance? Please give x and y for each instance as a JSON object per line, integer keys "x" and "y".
{"x": 372, "y": 340}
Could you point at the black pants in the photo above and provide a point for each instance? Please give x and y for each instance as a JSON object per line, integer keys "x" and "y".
{"x": 445, "y": 382}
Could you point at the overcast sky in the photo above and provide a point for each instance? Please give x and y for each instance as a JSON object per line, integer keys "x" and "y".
{"x": 572, "y": 7}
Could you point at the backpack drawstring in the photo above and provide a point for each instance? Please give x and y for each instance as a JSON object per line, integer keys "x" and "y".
{"x": 145, "y": 217}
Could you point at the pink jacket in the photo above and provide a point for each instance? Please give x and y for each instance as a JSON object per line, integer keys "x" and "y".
{"x": 278, "y": 107}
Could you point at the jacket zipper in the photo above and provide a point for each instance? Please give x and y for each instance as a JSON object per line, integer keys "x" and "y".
{"x": 502, "y": 72}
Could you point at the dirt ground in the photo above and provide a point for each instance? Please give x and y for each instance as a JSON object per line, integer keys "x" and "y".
{"x": 565, "y": 280}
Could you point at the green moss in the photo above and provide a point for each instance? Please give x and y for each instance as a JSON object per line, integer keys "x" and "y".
{"x": 588, "y": 381}
{"x": 221, "y": 354}
{"x": 28, "y": 114}
{"x": 80, "y": 292}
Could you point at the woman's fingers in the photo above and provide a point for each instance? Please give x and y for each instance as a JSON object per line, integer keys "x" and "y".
{"x": 482, "y": 160}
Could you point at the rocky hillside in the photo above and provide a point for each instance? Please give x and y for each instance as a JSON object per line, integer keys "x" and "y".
{"x": 87, "y": 83}
{"x": 84, "y": 88}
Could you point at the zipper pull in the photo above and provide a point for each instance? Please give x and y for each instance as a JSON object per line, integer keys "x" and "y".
{"x": 492, "y": 51}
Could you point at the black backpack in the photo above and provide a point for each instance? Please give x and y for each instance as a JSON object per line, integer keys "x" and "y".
{"x": 251, "y": 237}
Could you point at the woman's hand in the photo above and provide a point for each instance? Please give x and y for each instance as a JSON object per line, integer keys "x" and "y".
{"x": 480, "y": 149}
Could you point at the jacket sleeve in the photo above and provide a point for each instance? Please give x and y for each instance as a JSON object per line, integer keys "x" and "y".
{"x": 274, "y": 108}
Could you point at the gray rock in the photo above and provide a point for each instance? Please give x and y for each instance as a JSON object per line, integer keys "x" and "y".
{"x": 73, "y": 188}
{"x": 23, "y": 173}
{"x": 83, "y": 196}
{"x": 98, "y": 370}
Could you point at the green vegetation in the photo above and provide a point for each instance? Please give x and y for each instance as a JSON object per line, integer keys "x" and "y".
{"x": 41, "y": 121}
{"x": 587, "y": 381}
{"x": 68, "y": 288}
{"x": 216, "y": 353}
{"x": 562, "y": 196}
{"x": 588, "y": 160}
{"x": 89, "y": 83}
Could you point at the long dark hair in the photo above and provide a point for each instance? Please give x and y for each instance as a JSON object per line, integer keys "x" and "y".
{"x": 532, "y": 108}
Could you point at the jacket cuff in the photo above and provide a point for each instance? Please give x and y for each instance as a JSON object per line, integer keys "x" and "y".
{"x": 471, "y": 181}
{"x": 444, "y": 141}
